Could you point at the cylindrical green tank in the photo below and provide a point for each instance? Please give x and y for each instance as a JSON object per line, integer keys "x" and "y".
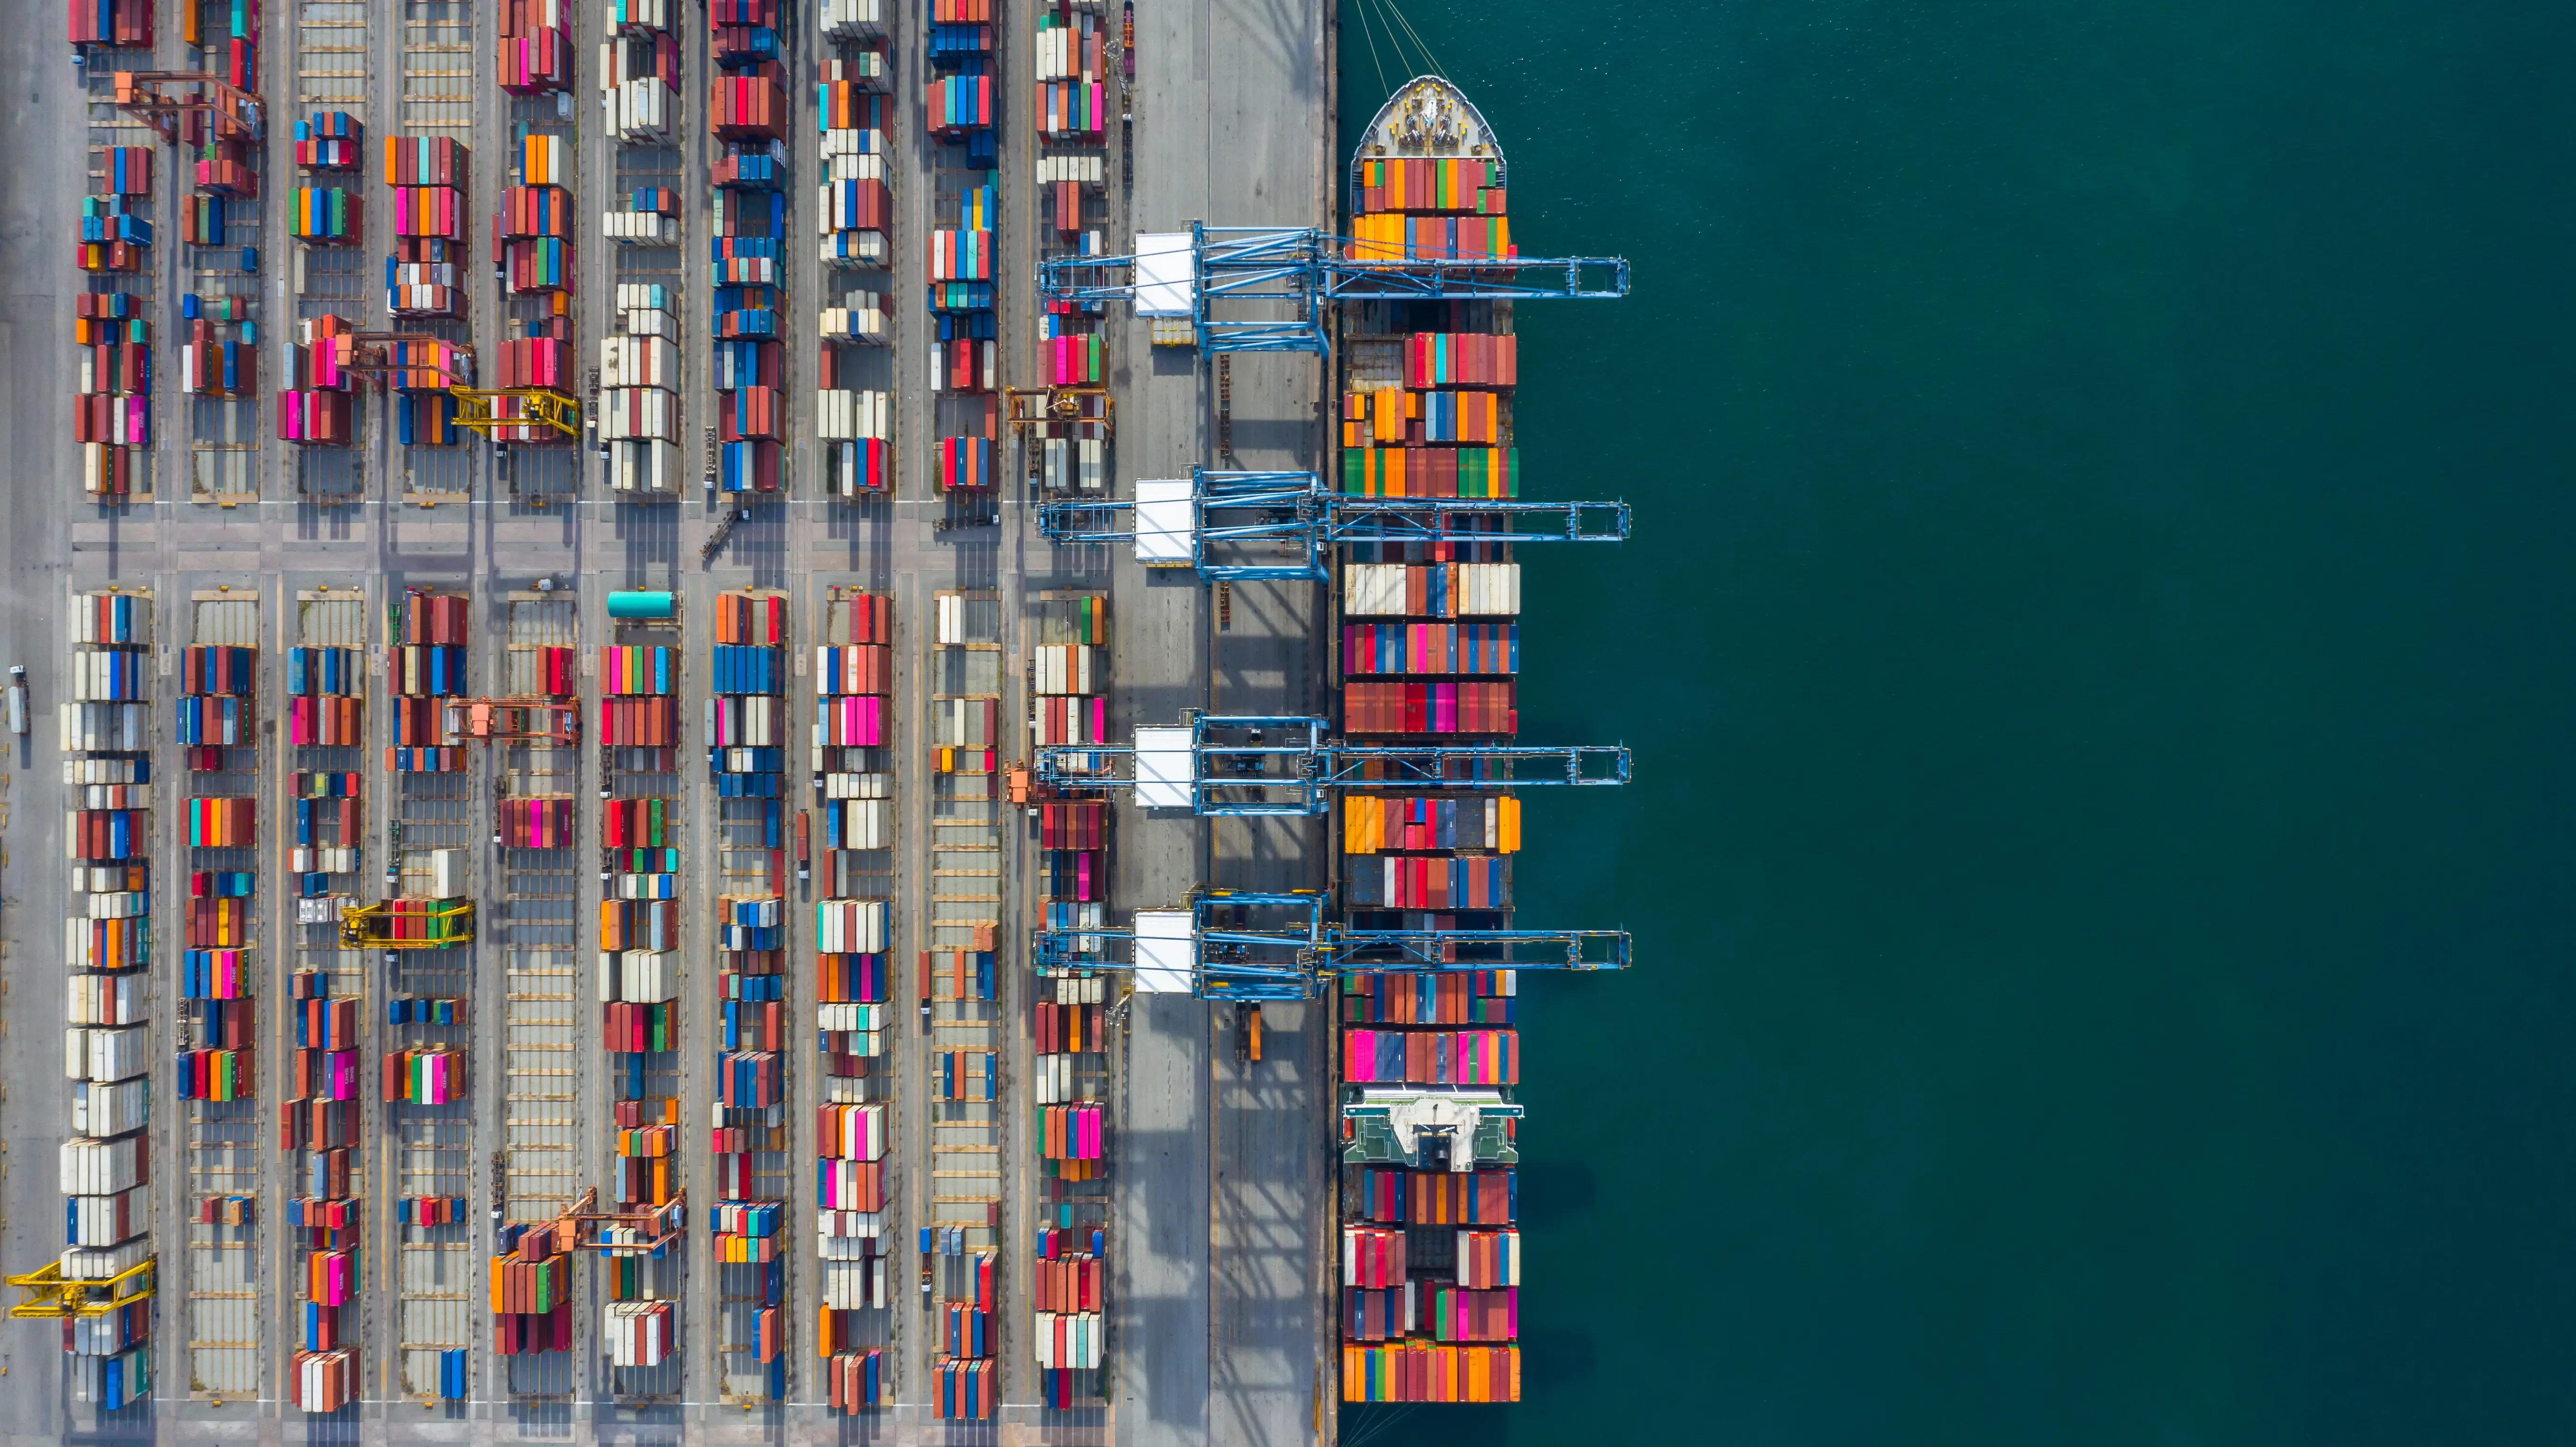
{"x": 634, "y": 603}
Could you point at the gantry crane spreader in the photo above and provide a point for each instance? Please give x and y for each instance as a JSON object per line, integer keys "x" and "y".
{"x": 1235, "y": 765}
{"x": 1236, "y": 526}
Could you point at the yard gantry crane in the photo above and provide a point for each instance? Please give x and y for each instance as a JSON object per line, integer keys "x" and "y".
{"x": 160, "y": 99}
{"x": 450, "y": 365}
{"x": 1238, "y": 765}
{"x": 1287, "y": 275}
{"x": 1234, "y": 526}
{"x": 1232, "y": 945}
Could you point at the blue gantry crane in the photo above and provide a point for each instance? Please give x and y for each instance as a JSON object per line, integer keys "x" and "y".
{"x": 1235, "y": 765}
{"x": 1286, "y": 275}
{"x": 1234, "y": 526}
{"x": 1237, "y": 945}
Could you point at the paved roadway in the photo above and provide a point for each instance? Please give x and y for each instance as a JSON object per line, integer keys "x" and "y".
{"x": 39, "y": 196}
{"x": 1221, "y": 1186}
{"x": 1217, "y": 1334}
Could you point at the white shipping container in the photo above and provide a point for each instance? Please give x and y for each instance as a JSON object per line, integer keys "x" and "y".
{"x": 640, "y": 228}
{"x": 96, "y": 1222}
{"x": 78, "y": 772}
{"x": 1080, "y": 1339}
{"x": 105, "y": 999}
{"x": 858, "y": 786}
{"x": 639, "y": 413}
{"x": 854, "y": 19}
{"x": 644, "y": 465}
{"x": 101, "y": 727}
{"x": 103, "y": 1108}
{"x": 1064, "y": 668}
{"x": 648, "y": 322}
{"x": 632, "y": 361}
{"x": 102, "y": 1167}
{"x": 95, "y": 1054}
{"x": 322, "y": 859}
{"x": 840, "y": 143}
{"x": 847, "y": 1089}
{"x": 638, "y": 110}
{"x": 448, "y": 870}
{"x": 1093, "y": 990}
{"x": 638, "y": 1333}
{"x": 844, "y": 1016}
{"x": 851, "y": 926}
{"x": 846, "y": 1235}
{"x": 638, "y": 977}
{"x": 849, "y": 416}
{"x": 101, "y": 1264}
{"x": 122, "y": 905}
{"x": 854, "y": 1285}
{"x": 863, "y": 823}
{"x": 863, "y": 320}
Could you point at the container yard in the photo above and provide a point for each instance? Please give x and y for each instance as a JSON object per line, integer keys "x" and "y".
{"x": 593, "y": 600}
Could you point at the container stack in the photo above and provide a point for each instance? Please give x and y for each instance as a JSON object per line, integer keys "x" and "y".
{"x": 424, "y": 411}
{"x": 1071, "y": 1074}
{"x": 533, "y": 231}
{"x": 1430, "y": 1287}
{"x": 218, "y": 732}
{"x": 747, "y": 748}
{"x": 746, "y": 254}
{"x": 536, "y": 46}
{"x": 426, "y": 666}
{"x": 322, "y": 211}
{"x": 236, "y": 50}
{"x": 1072, "y": 60}
{"x": 856, "y": 219}
{"x": 961, "y": 291}
{"x": 119, "y": 24}
{"x": 639, "y": 981}
{"x": 855, "y": 223}
{"x": 316, "y": 406}
{"x": 960, "y": 995}
{"x": 962, "y": 102}
{"x": 1073, "y": 71}
{"x": 1070, "y": 1281}
{"x": 220, "y": 355}
{"x": 1070, "y": 113}
{"x": 639, "y": 398}
{"x": 960, "y": 99}
{"x": 968, "y": 1284}
{"x": 1429, "y": 646}
{"x": 424, "y": 275}
{"x": 531, "y": 1289}
{"x": 1420, "y": 621}
{"x": 108, "y": 1043}
{"x": 639, "y": 75}
{"x": 327, "y": 1026}
{"x": 113, "y": 236}
{"x": 645, "y": 216}
{"x": 112, "y": 413}
{"x": 853, "y": 924}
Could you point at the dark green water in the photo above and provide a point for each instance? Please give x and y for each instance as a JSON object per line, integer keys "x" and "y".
{"x": 2098, "y": 648}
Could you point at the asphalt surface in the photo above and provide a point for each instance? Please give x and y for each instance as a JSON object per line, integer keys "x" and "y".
{"x": 1220, "y": 1186}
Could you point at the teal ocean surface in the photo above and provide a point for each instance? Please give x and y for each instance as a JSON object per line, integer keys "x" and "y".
{"x": 2098, "y": 647}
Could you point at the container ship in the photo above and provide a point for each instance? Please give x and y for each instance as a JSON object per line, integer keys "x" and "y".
{"x": 1429, "y": 652}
